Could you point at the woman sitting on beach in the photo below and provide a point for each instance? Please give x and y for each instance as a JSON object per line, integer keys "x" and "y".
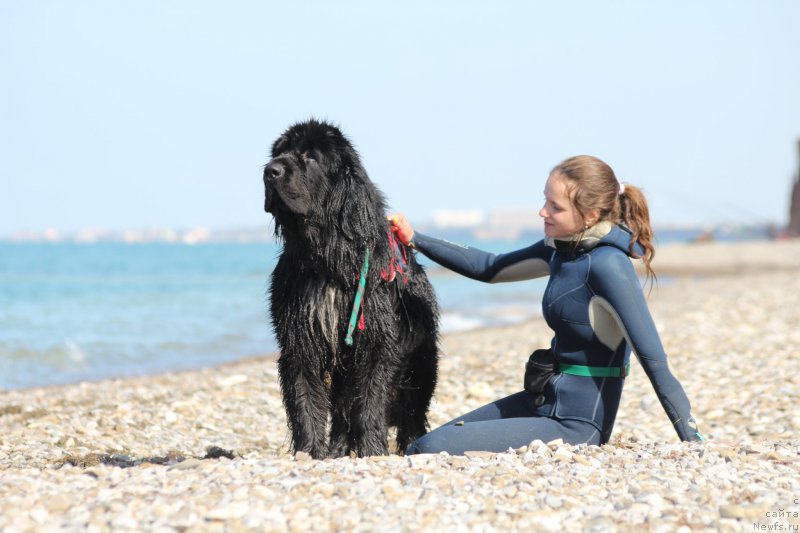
{"x": 594, "y": 304}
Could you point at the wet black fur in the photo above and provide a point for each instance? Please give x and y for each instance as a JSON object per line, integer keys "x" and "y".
{"x": 327, "y": 214}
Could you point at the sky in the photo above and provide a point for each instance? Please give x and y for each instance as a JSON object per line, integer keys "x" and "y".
{"x": 123, "y": 115}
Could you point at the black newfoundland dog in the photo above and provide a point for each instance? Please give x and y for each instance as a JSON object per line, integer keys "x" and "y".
{"x": 354, "y": 314}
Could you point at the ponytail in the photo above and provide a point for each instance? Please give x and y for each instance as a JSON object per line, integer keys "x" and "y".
{"x": 636, "y": 216}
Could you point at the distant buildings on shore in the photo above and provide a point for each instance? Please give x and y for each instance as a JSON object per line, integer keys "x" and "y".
{"x": 138, "y": 236}
{"x": 496, "y": 224}
{"x": 460, "y": 225}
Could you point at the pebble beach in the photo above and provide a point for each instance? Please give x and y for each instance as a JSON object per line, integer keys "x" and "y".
{"x": 208, "y": 450}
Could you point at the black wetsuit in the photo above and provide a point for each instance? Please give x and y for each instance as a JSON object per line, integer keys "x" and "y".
{"x": 595, "y": 305}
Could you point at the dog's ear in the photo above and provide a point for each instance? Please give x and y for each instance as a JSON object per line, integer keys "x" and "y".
{"x": 357, "y": 204}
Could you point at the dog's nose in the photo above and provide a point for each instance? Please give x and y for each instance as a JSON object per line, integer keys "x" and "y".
{"x": 274, "y": 170}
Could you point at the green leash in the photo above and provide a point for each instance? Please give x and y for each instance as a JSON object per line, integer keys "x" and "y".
{"x": 362, "y": 282}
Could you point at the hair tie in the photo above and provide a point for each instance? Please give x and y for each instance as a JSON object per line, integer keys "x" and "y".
{"x": 621, "y": 188}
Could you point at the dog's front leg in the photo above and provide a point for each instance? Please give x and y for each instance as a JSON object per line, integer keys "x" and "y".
{"x": 307, "y": 406}
{"x": 368, "y": 425}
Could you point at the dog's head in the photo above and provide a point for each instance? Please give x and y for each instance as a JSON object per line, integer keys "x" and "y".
{"x": 315, "y": 180}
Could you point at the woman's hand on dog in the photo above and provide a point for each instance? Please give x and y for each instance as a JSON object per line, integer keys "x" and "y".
{"x": 402, "y": 228}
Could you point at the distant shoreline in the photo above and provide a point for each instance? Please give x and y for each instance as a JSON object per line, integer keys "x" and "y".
{"x": 475, "y": 234}
{"x": 726, "y": 258}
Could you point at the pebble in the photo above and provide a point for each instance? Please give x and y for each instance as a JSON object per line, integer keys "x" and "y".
{"x": 186, "y": 465}
{"x": 743, "y": 511}
{"x": 157, "y": 432}
{"x": 562, "y": 454}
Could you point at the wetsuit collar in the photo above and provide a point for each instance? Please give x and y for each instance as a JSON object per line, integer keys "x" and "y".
{"x": 605, "y": 233}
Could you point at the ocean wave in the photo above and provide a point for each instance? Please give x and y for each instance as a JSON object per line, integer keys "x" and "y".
{"x": 456, "y": 320}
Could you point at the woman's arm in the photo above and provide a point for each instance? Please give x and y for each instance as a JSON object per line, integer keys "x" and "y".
{"x": 613, "y": 279}
{"x": 527, "y": 263}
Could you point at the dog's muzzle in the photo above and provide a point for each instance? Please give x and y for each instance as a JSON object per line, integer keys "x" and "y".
{"x": 285, "y": 187}
{"x": 274, "y": 171}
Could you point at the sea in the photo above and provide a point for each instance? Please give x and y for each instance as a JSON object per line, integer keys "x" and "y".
{"x": 74, "y": 312}
{"x": 82, "y": 312}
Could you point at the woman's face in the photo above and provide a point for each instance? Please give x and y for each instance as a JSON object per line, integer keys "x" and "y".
{"x": 561, "y": 218}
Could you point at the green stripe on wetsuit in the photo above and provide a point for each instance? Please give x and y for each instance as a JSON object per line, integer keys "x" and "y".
{"x": 596, "y": 371}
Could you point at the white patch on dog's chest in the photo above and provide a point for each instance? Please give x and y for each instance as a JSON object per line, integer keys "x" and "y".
{"x": 320, "y": 299}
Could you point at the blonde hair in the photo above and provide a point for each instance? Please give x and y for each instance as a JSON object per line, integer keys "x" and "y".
{"x": 593, "y": 185}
